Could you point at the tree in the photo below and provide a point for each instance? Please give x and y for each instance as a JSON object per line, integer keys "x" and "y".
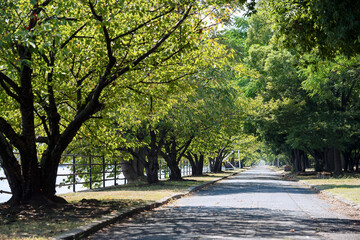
{"x": 323, "y": 27}
{"x": 57, "y": 61}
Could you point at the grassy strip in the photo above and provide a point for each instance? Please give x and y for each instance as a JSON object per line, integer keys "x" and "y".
{"x": 346, "y": 186}
{"x": 84, "y": 207}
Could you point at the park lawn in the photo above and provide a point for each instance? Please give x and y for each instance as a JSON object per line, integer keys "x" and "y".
{"x": 347, "y": 186}
{"x": 39, "y": 223}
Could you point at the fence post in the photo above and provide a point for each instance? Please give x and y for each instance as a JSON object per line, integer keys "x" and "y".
{"x": 103, "y": 161}
{"x": 90, "y": 182}
{"x": 181, "y": 168}
{"x": 115, "y": 173}
{"x": 160, "y": 167}
{"x": 188, "y": 166}
{"x": 74, "y": 177}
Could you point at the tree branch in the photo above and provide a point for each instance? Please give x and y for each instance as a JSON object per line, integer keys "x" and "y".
{"x": 154, "y": 48}
{"x": 10, "y": 133}
{"x": 5, "y": 79}
{"x": 72, "y": 36}
{"x": 142, "y": 25}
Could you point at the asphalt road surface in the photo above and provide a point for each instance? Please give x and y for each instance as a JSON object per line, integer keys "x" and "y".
{"x": 256, "y": 204}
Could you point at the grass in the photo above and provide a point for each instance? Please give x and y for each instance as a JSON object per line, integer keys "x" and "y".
{"x": 347, "y": 186}
{"x": 30, "y": 223}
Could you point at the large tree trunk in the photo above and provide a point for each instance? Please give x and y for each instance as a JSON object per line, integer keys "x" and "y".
{"x": 318, "y": 156}
{"x": 196, "y": 162}
{"x": 133, "y": 169}
{"x": 152, "y": 170}
{"x": 170, "y": 156}
{"x": 337, "y": 161}
{"x": 175, "y": 171}
{"x": 328, "y": 160}
{"x": 332, "y": 161}
{"x": 299, "y": 160}
{"x": 216, "y": 162}
{"x": 152, "y": 166}
{"x": 173, "y": 156}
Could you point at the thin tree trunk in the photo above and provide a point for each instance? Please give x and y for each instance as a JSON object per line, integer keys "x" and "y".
{"x": 337, "y": 162}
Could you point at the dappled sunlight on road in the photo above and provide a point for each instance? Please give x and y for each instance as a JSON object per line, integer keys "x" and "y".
{"x": 257, "y": 204}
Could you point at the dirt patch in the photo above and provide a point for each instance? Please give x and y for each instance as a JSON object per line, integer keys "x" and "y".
{"x": 50, "y": 220}
{"x": 341, "y": 207}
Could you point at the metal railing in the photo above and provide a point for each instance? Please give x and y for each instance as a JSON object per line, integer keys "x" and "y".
{"x": 100, "y": 171}
{"x": 95, "y": 167}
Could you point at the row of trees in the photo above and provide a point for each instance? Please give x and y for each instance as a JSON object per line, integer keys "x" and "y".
{"x": 306, "y": 82}
{"x": 153, "y": 78}
{"x": 136, "y": 77}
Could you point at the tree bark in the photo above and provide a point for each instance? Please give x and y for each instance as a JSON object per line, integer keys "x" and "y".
{"x": 173, "y": 156}
{"x": 196, "y": 162}
{"x": 216, "y": 163}
{"x": 12, "y": 170}
{"x": 35, "y": 182}
{"x": 337, "y": 161}
{"x": 348, "y": 164}
{"x": 133, "y": 170}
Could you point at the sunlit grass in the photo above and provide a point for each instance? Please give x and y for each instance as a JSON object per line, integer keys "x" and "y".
{"x": 347, "y": 186}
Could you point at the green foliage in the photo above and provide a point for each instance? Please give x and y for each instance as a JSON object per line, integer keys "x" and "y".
{"x": 324, "y": 27}
{"x": 69, "y": 69}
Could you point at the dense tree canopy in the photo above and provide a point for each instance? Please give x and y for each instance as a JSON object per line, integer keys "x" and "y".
{"x": 306, "y": 58}
{"x": 59, "y": 62}
{"x": 323, "y": 27}
{"x": 151, "y": 78}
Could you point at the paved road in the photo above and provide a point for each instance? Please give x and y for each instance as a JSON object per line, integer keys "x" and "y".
{"x": 256, "y": 204}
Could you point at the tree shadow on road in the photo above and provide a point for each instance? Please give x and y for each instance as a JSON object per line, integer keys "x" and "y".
{"x": 239, "y": 186}
{"x": 226, "y": 223}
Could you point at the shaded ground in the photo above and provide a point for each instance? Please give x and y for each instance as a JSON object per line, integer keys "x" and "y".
{"x": 257, "y": 204}
{"x": 45, "y": 221}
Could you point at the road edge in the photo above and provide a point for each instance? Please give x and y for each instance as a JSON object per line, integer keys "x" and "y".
{"x": 88, "y": 229}
{"x": 322, "y": 191}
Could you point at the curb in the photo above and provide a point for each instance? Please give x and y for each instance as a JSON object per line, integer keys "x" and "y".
{"x": 326, "y": 193}
{"x": 88, "y": 229}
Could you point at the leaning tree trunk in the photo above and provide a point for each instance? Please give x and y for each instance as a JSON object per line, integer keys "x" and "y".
{"x": 217, "y": 165}
{"x": 173, "y": 156}
{"x": 172, "y": 162}
{"x": 12, "y": 170}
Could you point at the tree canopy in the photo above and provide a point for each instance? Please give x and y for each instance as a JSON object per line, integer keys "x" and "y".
{"x": 61, "y": 62}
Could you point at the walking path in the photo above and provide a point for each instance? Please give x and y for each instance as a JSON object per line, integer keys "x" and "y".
{"x": 256, "y": 204}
